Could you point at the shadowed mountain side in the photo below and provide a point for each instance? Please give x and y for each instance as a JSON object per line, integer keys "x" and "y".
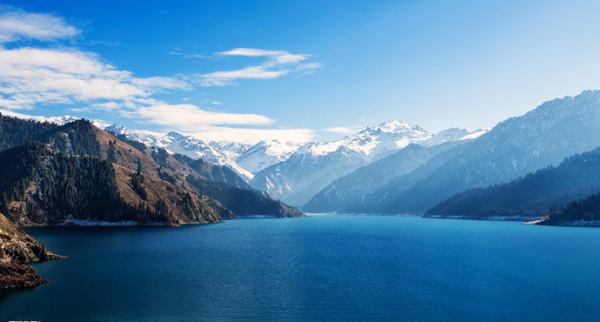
{"x": 355, "y": 185}
{"x": 529, "y": 196}
{"x": 583, "y": 212}
{"x": 224, "y": 185}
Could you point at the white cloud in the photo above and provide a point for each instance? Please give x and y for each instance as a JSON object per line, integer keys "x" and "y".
{"x": 251, "y": 52}
{"x": 212, "y": 102}
{"x": 224, "y": 78}
{"x": 340, "y": 130}
{"x": 308, "y": 68}
{"x": 17, "y": 25}
{"x": 279, "y": 63}
{"x": 278, "y": 57}
{"x": 189, "y": 117}
{"x": 251, "y": 135}
{"x": 31, "y": 77}
{"x": 179, "y": 52}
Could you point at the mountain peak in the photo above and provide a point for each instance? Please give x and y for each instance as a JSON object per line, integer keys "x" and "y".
{"x": 176, "y": 135}
{"x": 394, "y": 126}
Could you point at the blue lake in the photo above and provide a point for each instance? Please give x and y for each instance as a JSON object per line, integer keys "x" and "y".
{"x": 318, "y": 268}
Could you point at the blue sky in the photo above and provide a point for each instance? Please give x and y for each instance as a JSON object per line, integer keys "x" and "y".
{"x": 295, "y": 70}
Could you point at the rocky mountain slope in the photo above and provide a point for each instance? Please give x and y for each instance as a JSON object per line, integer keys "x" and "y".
{"x": 17, "y": 249}
{"x": 244, "y": 159}
{"x": 176, "y": 143}
{"x": 78, "y": 173}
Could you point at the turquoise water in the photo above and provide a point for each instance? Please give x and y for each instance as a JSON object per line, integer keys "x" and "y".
{"x": 319, "y": 268}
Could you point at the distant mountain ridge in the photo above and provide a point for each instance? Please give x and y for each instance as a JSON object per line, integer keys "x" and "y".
{"x": 530, "y": 196}
{"x": 354, "y": 186}
{"x": 515, "y": 147}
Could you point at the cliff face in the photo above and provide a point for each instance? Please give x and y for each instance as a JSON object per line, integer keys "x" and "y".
{"x": 17, "y": 249}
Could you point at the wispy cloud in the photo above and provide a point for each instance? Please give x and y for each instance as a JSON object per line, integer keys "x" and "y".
{"x": 184, "y": 54}
{"x": 277, "y": 57}
{"x": 187, "y": 117}
{"x": 212, "y": 102}
{"x": 251, "y": 136}
{"x": 341, "y": 130}
{"x": 18, "y": 25}
{"x": 278, "y": 63}
{"x": 224, "y": 78}
{"x": 32, "y": 77}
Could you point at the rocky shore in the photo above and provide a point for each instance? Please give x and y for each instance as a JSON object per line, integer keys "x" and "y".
{"x": 17, "y": 250}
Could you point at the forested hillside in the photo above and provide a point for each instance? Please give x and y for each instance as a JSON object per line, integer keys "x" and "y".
{"x": 529, "y": 196}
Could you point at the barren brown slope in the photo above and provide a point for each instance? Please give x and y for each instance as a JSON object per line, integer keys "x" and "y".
{"x": 163, "y": 182}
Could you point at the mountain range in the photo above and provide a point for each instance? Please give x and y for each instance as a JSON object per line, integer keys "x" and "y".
{"x": 395, "y": 167}
{"x": 515, "y": 147}
{"x": 244, "y": 159}
{"x": 289, "y": 171}
{"x": 316, "y": 165}
{"x": 353, "y": 186}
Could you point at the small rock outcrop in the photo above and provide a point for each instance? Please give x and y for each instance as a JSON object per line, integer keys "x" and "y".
{"x": 17, "y": 249}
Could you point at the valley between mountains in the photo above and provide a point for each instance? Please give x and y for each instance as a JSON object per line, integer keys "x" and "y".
{"x": 542, "y": 167}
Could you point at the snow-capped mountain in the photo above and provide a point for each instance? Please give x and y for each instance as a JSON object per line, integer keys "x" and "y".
{"x": 244, "y": 159}
{"x": 286, "y": 170}
{"x": 316, "y": 165}
{"x": 515, "y": 147}
{"x": 372, "y": 143}
{"x": 266, "y": 153}
{"x": 187, "y": 145}
{"x": 352, "y": 187}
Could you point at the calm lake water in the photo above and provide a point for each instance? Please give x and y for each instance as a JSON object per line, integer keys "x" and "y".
{"x": 318, "y": 268}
